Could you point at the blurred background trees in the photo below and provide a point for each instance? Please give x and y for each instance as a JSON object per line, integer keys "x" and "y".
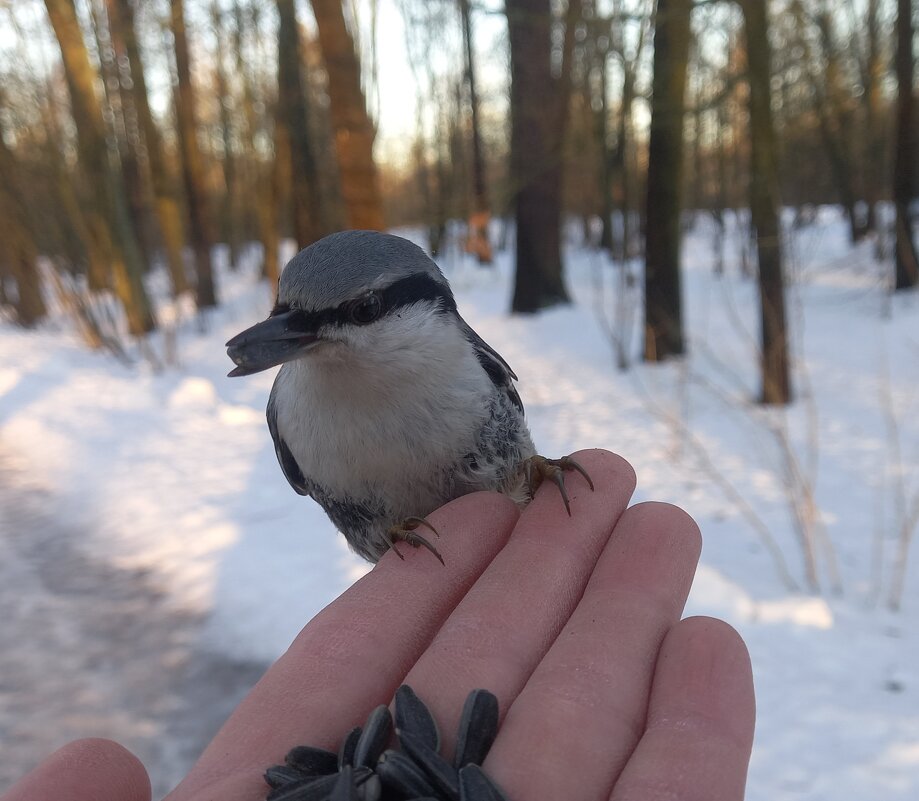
{"x": 173, "y": 137}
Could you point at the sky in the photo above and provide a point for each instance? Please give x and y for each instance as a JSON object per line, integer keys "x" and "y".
{"x": 397, "y": 99}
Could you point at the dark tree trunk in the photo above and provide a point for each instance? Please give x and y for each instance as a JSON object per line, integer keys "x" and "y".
{"x": 18, "y": 253}
{"x": 874, "y": 142}
{"x": 539, "y": 114}
{"x": 764, "y": 207}
{"x": 907, "y": 264}
{"x": 168, "y": 215}
{"x": 663, "y": 299}
{"x": 230, "y": 224}
{"x": 110, "y": 241}
{"x": 199, "y": 213}
{"x": 118, "y": 104}
{"x": 478, "y": 243}
{"x": 606, "y": 157}
{"x": 836, "y": 124}
{"x": 293, "y": 111}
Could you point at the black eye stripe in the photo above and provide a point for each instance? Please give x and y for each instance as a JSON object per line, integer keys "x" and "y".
{"x": 413, "y": 288}
{"x": 404, "y": 292}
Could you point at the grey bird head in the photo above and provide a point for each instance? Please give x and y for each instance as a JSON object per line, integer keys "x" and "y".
{"x": 353, "y": 290}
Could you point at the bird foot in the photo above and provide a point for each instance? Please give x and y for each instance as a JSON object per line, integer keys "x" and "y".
{"x": 406, "y": 532}
{"x": 537, "y": 469}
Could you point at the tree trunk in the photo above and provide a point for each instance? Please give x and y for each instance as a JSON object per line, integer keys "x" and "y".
{"x": 293, "y": 111}
{"x": 663, "y": 301}
{"x": 478, "y": 241}
{"x": 230, "y": 225}
{"x": 111, "y": 237}
{"x": 836, "y": 124}
{"x": 907, "y": 264}
{"x": 874, "y": 143}
{"x": 539, "y": 115}
{"x": 199, "y": 215}
{"x": 764, "y": 207}
{"x": 168, "y": 215}
{"x": 354, "y": 130}
{"x": 270, "y": 180}
{"x": 19, "y": 250}
{"x": 259, "y": 179}
{"x": 597, "y": 90}
{"x": 118, "y": 105}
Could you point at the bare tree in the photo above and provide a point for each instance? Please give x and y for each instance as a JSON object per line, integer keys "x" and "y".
{"x": 168, "y": 213}
{"x": 354, "y": 131}
{"x": 293, "y": 128}
{"x": 110, "y": 235}
{"x": 764, "y": 207}
{"x": 230, "y": 228}
{"x": 19, "y": 254}
{"x": 663, "y": 293}
{"x": 907, "y": 264}
{"x": 199, "y": 214}
{"x": 539, "y": 115}
{"x": 872, "y": 68}
{"x": 478, "y": 241}
{"x": 835, "y": 112}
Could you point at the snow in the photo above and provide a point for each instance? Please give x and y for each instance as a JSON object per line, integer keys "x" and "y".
{"x": 173, "y": 471}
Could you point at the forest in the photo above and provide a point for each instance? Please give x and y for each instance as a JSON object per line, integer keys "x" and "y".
{"x": 137, "y": 136}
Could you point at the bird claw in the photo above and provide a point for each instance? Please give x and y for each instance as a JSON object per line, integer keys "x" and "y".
{"x": 405, "y": 531}
{"x": 538, "y": 468}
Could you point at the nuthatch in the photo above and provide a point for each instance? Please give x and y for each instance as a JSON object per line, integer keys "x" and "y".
{"x": 388, "y": 404}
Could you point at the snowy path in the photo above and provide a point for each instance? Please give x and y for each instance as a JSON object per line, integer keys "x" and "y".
{"x": 182, "y": 530}
{"x": 91, "y": 649}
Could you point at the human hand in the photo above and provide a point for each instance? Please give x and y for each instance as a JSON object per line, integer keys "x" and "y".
{"x": 573, "y": 623}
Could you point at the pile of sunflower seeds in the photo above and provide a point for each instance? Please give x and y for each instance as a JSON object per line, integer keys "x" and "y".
{"x": 364, "y": 769}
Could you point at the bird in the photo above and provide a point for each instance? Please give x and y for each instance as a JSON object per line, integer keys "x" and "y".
{"x": 387, "y": 404}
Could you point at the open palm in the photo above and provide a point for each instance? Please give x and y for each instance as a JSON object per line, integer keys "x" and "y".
{"x": 573, "y": 623}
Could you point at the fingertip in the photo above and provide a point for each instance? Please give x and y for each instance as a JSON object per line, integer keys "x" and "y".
{"x": 707, "y": 662}
{"x": 606, "y": 469}
{"x": 699, "y": 731}
{"x": 613, "y": 482}
{"x": 92, "y": 769}
{"x": 674, "y": 526}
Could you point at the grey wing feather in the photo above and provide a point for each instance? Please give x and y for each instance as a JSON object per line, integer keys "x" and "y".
{"x": 289, "y": 466}
{"x": 498, "y": 370}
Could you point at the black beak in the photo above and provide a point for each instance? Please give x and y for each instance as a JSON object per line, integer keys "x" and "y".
{"x": 279, "y": 339}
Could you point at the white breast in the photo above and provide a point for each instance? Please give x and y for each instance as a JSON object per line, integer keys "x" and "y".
{"x": 381, "y": 419}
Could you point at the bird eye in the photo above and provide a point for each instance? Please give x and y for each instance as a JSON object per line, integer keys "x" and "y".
{"x": 366, "y": 309}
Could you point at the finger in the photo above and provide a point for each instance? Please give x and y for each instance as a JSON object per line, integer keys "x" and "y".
{"x": 353, "y": 655}
{"x": 85, "y": 770}
{"x": 700, "y": 721}
{"x": 572, "y": 728}
{"x": 507, "y": 621}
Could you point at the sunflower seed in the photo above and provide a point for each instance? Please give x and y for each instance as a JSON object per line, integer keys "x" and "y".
{"x": 414, "y": 718}
{"x": 478, "y": 728}
{"x": 348, "y": 746}
{"x": 438, "y": 770}
{"x": 372, "y": 789}
{"x": 476, "y": 786}
{"x": 374, "y": 738}
{"x": 399, "y": 773}
{"x": 312, "y": 761}
{"x": 313, "y": 789}
{"x": 345, "y": 789}
{"x": 279, "y": 775}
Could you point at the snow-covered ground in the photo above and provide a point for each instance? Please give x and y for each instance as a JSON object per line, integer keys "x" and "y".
{"x": 174, "y": 473}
